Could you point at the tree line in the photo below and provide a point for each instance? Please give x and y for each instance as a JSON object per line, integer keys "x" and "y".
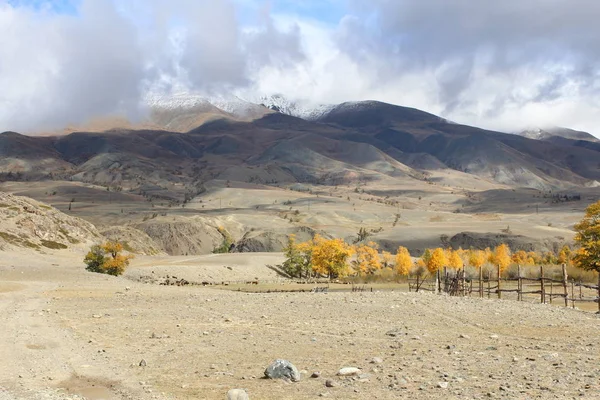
{"x": 334, "y": 258}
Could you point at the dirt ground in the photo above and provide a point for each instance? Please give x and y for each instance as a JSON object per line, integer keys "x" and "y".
{"x": 70, "y": 334}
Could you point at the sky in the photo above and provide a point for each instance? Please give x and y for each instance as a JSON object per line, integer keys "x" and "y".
{"x": 504, "y": 65}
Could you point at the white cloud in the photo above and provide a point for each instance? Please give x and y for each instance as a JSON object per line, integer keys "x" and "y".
{"x": 499, "y": 65}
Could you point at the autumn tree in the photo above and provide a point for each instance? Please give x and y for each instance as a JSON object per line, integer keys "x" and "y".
{"x": 477, "y": 258}
{"x": 330, "y": 257}
{"x": 403, "y": 261}
{"x": 565, "y": 255}
{"x": 367, "y": 258}
{"x": 454, "y": 260}
{"x": 588, "y": 238}
{"x": 107, "y": 259}
{"x": 522, "y": 258}
{"x": 500, "y": 257}
{"x": 437, "y": 261}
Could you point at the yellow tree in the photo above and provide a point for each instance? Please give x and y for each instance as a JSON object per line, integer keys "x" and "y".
{"x": 477, "y": 258}
{"x": 367, "y": 258}
{"x": 330, "y": 257}
{"x": 587, "y": 237}
{"x": 522, "y": 258}
{"x": 437, "y": 261}
{"x": 534, "y": 258}
{"x": 565, "y": 256}
{"x": 403, "y": 261}
{"x": 501, "y": 257}
{"x": 107, "y": 259}
{"x": 454, "y": 260}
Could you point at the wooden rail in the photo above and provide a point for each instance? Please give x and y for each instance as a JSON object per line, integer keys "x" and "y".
{"x": 549, "y": 289}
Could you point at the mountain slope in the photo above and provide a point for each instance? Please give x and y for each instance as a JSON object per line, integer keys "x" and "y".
{"x": 349, "y": 143}
{"x": 557, "y": 132}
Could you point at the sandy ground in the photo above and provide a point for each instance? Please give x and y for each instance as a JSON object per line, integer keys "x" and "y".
{"x": 69, "y": 334}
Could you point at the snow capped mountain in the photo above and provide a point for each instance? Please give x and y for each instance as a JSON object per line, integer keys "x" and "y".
{"x": 547, "y": 133}
{"x": 298, "y": 109}
{"x": 235, "y": 105}
{"x": 533, "y": 133}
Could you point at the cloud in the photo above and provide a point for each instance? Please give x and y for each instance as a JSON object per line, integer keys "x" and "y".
{"x": 499, "y": 65}
{"x": 62, "y": 68}
{"x": 532, "y": 55}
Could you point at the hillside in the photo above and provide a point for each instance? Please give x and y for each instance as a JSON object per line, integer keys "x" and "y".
{"x": 407, "y": 138}
{"x": 29, "y": 224}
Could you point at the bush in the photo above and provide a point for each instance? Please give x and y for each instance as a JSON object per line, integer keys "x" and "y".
{"x": 107, "y": 259}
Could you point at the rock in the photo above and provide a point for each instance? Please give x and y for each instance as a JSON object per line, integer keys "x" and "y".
{"x": 282, "y": 369}
{"x": 316, "y": 374}
{"x": 330, "y": 383}
{"x": 442, "y": 385}
{"x": 143, "y": 363}
{"x": 464, "y": 336}
{"x": 376, "y": 360}
{"x": 237, "y": 394}
{"x": 348, "y": 371}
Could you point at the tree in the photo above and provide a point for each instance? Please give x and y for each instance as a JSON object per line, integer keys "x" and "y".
{"x": 587, "y": 237}
{"x": 500, "y": 257}
{"x": 330, "y": 257}
{"x": 293, "y": 258}
{"x": 565, "y": 256}
{"x": 454, "y": 260}
{"x": 522, "y": 258}
{"x": 403, "y": 261}
{"x": 477, "y": 258}
{"x": 107, "y": 259}
{"x": 437, "y": 261}
{"x": 367, "y": 258}
{"x": 550, "y": 258}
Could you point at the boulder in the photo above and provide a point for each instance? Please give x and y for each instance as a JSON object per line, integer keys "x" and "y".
{"x": 282, "y": 369}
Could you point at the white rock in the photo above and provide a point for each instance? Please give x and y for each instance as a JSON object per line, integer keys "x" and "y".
{"x": 237, "y": 394}
{"x": 349, "y": 371}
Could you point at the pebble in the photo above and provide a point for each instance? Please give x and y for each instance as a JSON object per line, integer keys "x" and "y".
{"x": 237, "y": 394}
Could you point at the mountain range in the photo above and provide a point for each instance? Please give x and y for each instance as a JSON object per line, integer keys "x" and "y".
{"x": 188, "y": 140}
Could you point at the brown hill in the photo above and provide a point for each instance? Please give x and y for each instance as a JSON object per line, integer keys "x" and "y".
{"x": 354, "y": 142}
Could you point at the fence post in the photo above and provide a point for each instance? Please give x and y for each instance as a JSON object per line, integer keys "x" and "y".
{"x": 519, "y": 289}
{"x": 565, "y": 277}
{"x": 489, "y": 285}
{"x": 543, "y": 296}
{"x": 598, "y": 291}
{"x": 438, "y": 287}
{"x": 499, "y": 290}
{"x": 417, "y": 284}
{"x": 551, "y": 290}
{"x": 464, "y": 283}
{"x": 481, "y": 281}
{"x": 572, "y": 293}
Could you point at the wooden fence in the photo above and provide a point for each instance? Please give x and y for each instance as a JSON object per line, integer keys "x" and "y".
{"x": 548, "y": 289}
